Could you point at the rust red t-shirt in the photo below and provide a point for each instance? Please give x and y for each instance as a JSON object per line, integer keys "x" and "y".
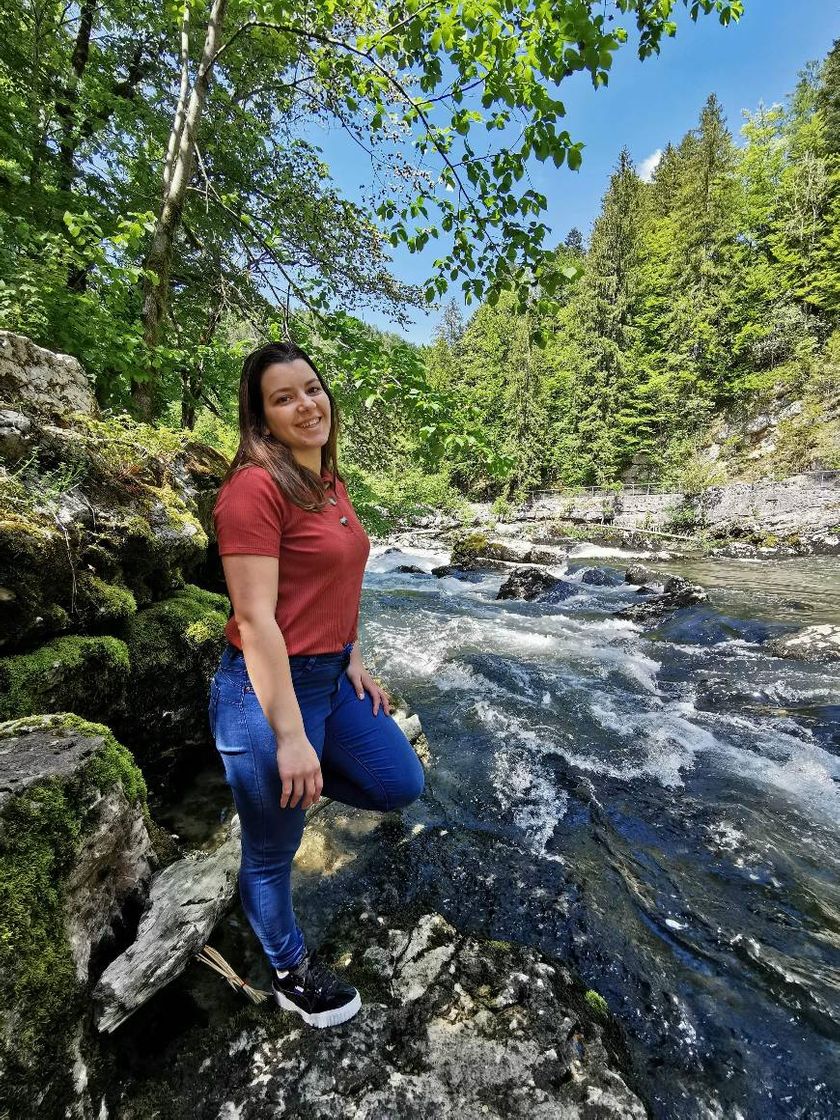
{"x": 321, "y": 560}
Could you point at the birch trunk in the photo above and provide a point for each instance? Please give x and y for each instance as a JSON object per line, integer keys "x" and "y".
{"x": 177, "y": 173}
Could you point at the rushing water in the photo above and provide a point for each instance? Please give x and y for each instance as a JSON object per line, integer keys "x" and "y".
{"x": 687, "y": 784}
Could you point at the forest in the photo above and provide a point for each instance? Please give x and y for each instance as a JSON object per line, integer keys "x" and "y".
{"x": 163, "y": 211}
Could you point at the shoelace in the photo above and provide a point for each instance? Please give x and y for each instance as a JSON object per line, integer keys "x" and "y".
{"x": 319, "y": 976}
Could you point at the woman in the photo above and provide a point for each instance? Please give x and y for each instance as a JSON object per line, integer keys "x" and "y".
{"x": 293, "y": 710}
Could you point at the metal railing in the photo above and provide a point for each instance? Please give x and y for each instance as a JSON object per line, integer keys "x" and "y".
{"x": 633, "y": 490}
{"x": 592, "y": 491}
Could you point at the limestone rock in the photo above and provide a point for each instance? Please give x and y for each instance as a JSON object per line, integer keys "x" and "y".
{"x": 15, "y": 434}
{"x": 75, "y": 852}
{"x": 451, "y": 1026}
{"x": 49, "y": 383}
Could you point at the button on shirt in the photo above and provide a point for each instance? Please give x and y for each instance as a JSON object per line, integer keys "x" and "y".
{"x": 322, "y": 557}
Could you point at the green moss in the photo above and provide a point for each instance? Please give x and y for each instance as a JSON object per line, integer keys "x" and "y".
{"x": 40, "y": 834}
{"x": 191, "y": 616}
{"x": 72, "y": 673}
{"x": 597, "y": 1003}
{"x": 466, "y": 549}
{"x": 101, "y": 602}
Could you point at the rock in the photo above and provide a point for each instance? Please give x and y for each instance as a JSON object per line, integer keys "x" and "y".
{"x": 78, "y": 674}
{"x": 443, "y": 570}
{"x": 412, "y": 729}
{"x": 535, "y": 584}
{"x": 410, "y": 569}
{"x": 547, "y": 555}
{"x": 49, "y": 383}
{"x": 451, "y": 1025}
{"x": 185, "y": 902}
{"x": 75, "y": 852}
{"x": 638, "y": 573}
{"x": 601, "y": 577}
{"x": 178, "y": 639}
{"x": 678, "y": 593}
{"x": 814, "y": 643}
{"x": 128, "y": 531}
{"x": 15, "y": 429}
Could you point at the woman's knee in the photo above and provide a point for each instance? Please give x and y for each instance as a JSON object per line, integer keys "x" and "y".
{"x": 411, "y": 787}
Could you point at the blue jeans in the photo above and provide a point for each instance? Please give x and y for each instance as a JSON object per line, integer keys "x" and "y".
{"x": 366, "y": 761}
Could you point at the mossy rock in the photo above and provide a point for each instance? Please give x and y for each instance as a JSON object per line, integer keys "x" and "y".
{"x": 56, "y": 770}
{"x": 86, "y": 675}
{"x": 36, "y": 579}
{"x": 467, "y": 549}
{"x": 105, "y": 515}
{"x": 174, "y": 647}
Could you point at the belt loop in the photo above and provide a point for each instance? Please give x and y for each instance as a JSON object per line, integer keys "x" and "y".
{"x": 310, "y": 662}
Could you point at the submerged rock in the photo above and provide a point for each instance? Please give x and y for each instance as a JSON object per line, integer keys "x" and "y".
{"x": 443, "y": 570}
{"x": 814, "y": 643}
{"x": 451, "y": 1025}
{"x": 601, "y": 577}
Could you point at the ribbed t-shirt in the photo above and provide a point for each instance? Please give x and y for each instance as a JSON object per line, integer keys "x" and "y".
{"x": 321, "y": 560}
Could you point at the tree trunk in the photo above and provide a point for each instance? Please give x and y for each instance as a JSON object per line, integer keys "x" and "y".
{"x": 176, "y": 180}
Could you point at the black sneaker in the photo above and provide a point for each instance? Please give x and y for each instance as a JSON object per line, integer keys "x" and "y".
{"x": 314, "y": 991}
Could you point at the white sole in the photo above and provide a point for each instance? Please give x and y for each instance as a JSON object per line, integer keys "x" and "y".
{"x": 322, "y": 1018}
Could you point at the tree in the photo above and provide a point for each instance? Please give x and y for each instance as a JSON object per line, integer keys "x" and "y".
{"x": 411, "y": 72}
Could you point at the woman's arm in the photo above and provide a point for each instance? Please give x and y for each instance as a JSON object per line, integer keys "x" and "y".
{"x": 252, "y": 586}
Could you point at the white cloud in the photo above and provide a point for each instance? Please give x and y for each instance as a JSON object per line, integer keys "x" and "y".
{"x": 649, "y": 165}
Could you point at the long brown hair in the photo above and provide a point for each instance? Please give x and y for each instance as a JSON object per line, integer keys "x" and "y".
{"x": 261, "y": 449}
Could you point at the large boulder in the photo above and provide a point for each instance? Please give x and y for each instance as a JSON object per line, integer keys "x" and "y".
{"x": 174, "y": 648}
{"x": 102, "y": 516}
{"x": 74, "y": 853}
{"x": 85, "y": 675}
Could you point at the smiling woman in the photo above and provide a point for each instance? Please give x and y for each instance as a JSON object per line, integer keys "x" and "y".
{"x": 292, "y": 709}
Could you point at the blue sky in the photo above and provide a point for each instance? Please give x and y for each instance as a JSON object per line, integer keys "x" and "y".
{"x": 646, "y": 105}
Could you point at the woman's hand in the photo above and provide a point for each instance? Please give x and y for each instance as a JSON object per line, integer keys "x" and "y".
{"x": 363, "y": 682}
{"x": 300, "y": 772}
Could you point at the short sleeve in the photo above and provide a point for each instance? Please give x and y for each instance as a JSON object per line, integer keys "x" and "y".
{"x": 249, "y": 514}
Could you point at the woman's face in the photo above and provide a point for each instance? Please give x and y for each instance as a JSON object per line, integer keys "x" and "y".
{"x": 296, "y": 408}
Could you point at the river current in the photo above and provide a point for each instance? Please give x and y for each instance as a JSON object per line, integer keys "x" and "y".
{"x": 675, "y": 793}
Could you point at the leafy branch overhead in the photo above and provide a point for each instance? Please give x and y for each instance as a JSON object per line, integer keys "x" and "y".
{"x": 163, "y": 181}
{"x": 435, "y": 74}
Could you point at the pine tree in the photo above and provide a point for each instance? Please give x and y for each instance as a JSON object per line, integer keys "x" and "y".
{"x": 613, "y": 411}
{"x": 824, "y": 288}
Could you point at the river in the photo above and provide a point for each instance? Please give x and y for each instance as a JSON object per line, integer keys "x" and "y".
{"x": 674, "y": 793}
